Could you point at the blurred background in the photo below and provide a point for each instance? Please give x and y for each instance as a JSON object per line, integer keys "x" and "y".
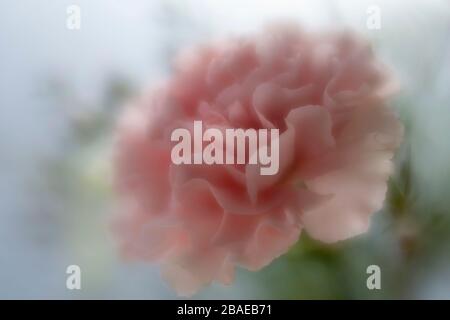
{"x": 61, "y": 89}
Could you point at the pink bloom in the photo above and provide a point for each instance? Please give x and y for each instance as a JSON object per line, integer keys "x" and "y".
{"x": 326, "y": 93}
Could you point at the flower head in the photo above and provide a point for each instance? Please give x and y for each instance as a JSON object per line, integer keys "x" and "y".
{"x": 326, "y": 93}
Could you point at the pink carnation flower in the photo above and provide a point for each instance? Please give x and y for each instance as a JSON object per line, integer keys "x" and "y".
{"x": 326, "y": 93}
